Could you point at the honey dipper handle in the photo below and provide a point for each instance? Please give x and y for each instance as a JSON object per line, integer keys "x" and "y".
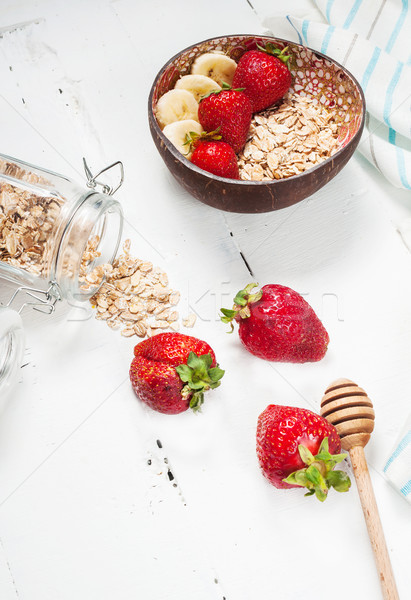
{"x": 372, "y": 518}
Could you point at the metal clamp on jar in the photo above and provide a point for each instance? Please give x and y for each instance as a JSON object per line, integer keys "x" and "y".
{"x": 55, "y": 239}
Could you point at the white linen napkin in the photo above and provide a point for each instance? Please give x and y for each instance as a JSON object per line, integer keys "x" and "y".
{"x": 398, "y": 467}
{"x": 371, "y": 38}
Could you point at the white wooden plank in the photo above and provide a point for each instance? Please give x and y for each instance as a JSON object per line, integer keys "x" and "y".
{"x": 48, "y": 426}
{"x": 83, "y": 512}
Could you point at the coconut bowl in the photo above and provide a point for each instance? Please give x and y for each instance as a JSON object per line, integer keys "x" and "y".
{"x": 315, "y": 76}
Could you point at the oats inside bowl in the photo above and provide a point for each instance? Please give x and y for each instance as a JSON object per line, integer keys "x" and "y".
{"x": 287, "y": 139}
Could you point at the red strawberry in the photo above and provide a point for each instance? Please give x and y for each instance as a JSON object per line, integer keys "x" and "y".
{"x": 264, "y": 76}
{"x": 230, "y": 112}
{"x": 296, "y": 447}
{"x": 170, "y": 372}
{"x": 217, "y": 158}
{"x": 278, "y": 324}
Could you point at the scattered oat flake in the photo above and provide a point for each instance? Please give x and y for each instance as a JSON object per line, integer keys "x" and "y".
{"x": 140, "y": 329}
{"x": 190, "y": 320}
{"x": 174, "y": 298}
{"x": 128, "y": 332}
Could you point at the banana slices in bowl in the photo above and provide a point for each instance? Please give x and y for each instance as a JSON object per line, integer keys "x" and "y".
{"x": 176, "y": 105}
{"x": 198, "y": 85}
{"x": 218, "y": 67}
{"x": 177, "y": 109}
{"x": 179, "y": 133}
{"x": 208, "y": 72}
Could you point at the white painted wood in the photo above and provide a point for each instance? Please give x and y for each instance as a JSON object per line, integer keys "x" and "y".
{"x": 82, "y": 513}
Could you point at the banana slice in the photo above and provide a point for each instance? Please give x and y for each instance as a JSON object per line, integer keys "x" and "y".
{"x": 198, "y": 85}
{"x": 216, "y": 66}
{"x": 176, "y": 105}
{"x": 177, "y": 134}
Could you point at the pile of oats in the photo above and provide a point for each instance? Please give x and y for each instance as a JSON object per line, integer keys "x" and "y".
{"x": 134, "y": 296}
{"x": 27, "y": 222}
{"x": 288, "y": 139}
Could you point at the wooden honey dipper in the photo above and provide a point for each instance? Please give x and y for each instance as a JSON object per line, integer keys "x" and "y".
{"x": 349, "y": 409}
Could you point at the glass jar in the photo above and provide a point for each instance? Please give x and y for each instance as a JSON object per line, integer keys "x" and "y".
{"x": 11, "y": 350}
{"x": 55, "y": 239}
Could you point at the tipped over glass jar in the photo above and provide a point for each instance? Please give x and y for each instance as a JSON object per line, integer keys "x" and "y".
{"x": 56, "y": 240}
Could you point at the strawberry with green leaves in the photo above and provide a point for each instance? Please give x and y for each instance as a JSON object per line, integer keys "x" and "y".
{"x": 228, "y": 110}
{"x": 171, "y": 372}
{"x": 276, "y": 323}
{"x": 298, "y": 448}
{"x": 264, "y": 75}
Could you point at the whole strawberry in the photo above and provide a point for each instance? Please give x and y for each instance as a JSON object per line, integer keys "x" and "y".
{"x": 298, "y": 448}
{"x": 170, "y": 372}
{"x": 230, "y": 112}
{"x": 264, "y": 75}
{"x": 216, "y": 157}
{"x": 277, "y": 324}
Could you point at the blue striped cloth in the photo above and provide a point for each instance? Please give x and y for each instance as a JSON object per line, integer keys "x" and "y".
{"x": 398, "y": 467}
{"x": 371, "y": 38}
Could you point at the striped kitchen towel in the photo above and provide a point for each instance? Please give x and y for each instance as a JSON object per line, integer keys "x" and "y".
{"x": 398, "y": 467}
{"x": 371, "y": 38}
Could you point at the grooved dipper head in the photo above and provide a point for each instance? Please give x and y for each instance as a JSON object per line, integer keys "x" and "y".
{"x": 349, "y": 409}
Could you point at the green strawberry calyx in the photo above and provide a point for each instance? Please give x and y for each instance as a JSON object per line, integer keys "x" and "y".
{"x": 269, "y": 48}
{"x": 318, "y": 476}
{"x": 193, "y": 139}
{"x": 199, "y": 376}
{"x": 224, "y": 88}
{"x": 241, "y": 309}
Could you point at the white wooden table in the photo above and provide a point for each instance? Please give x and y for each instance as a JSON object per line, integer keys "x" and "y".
{"x": 101, "y": 498}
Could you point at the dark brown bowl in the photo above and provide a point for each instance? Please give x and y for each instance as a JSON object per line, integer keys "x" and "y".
{"x": 314, "y": 75}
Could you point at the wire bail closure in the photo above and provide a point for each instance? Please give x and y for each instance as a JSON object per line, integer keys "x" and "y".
{"x": 93, "y": 182}
{"x": 43, "y": 300}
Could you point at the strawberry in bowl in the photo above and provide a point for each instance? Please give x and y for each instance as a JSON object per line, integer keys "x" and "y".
{"x": 216, "y": 157}
{"x": 228, "y": 111}
{"x": 263, "y": 75}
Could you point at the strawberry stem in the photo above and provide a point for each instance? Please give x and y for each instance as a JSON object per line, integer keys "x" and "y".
{"x": 199, "y": 376}
{"x": 241, "y": 308}
{"x": 224, "y": 88}
{"x": 318, "y": 476}
{"x": 193, "y": 139}
{"x": 269, "y": 48}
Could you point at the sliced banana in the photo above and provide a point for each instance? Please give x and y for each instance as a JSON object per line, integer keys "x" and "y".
{"x": 176, "y": 105}
{"x": 216, "y": 66}
{"x": 177, "y": 134}
{"x": 198, "y": 85}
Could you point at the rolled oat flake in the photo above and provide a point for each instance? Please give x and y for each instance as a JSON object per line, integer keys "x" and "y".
{"x": 54, "y": 234}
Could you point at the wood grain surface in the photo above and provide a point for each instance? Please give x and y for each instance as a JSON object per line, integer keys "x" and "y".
{"x": 101, "y": 498}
